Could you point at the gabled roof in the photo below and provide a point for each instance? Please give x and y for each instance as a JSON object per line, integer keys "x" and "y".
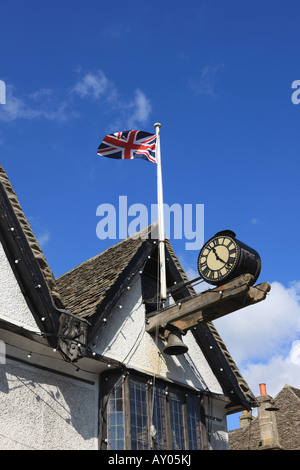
{"x": 287, "y": 404}
{"x": 93, "y": 288}
{"x": 85, "y": 289}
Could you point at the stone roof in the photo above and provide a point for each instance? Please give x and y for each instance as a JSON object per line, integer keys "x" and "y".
{"x": 287, "y": 419}
{"x": 84, "y": 288}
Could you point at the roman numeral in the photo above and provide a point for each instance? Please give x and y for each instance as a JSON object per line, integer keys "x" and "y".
{"x": 217, "y": 274}
{"x": 206, "y": 271}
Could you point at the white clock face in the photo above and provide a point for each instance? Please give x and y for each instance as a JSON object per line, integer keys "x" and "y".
{"x": 218, "y": 258}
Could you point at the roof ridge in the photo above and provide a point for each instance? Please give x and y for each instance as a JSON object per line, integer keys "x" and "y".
{"x": 293, "y": 389}
{"x": 96, "y": 276}
{"x": 147, "y": 230}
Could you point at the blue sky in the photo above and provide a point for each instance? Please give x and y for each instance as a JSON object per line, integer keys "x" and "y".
{"x": 218, "y": 76}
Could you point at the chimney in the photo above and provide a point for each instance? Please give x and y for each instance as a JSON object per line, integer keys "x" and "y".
{"x": 267, "y": 420}
{"x": 263, "y": 389}
{"x": 245, "y": 418}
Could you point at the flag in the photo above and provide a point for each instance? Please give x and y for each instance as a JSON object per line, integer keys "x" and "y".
{"x": 129, "y": 145}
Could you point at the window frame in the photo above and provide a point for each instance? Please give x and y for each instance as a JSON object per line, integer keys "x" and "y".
{"x": 107, "y": 383}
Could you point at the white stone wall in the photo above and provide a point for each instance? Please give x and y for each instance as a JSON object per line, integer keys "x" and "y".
{"x": 13, "y": 307}
{"x": 43, "y": 410}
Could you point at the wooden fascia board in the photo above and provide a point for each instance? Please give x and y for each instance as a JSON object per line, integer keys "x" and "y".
{"x": 173, "y": 273}
{"x": 222, "y": 369}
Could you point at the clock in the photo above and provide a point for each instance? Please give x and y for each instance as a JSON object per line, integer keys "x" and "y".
{"x": 223, "y": 258}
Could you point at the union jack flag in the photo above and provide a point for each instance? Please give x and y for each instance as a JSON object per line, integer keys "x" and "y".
{"x": 129, "y": 145}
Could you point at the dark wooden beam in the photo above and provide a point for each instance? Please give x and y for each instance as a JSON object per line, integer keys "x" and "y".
{"x": 209, "y": 305}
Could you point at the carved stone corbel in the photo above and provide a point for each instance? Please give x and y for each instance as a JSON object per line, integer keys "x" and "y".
{"x": 72, "y": 337}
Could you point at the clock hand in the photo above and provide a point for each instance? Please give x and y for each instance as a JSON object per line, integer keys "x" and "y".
{"x": 218, "y": 257}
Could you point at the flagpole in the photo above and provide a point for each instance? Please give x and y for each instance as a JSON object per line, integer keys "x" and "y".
{"x": 161, "y": 228}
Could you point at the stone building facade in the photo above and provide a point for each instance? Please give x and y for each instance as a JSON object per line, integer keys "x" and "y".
{"x": 277, "y": 425}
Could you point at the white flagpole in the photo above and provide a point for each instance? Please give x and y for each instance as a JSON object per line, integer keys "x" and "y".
{"x": 161, "y": 228}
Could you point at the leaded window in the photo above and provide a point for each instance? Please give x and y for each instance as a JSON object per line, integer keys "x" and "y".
{"x": 140, "y": 415}
{"x": 159, "y": 434}
{"x": 115, "y": 414}
{"x": 194, "y": 422}
{"x": 176, "y": 415}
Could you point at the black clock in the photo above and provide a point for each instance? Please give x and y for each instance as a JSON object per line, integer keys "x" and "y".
{"x": 223, "y": 258}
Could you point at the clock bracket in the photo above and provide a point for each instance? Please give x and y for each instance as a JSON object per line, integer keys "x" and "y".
{"x": 209, "y": 305}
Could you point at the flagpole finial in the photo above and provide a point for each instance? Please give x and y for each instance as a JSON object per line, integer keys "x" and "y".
{"x": 157, "y": 124}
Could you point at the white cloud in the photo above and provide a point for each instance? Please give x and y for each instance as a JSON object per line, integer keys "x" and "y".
{"x": 277, "y": 372}
{"x": 294, "y": 355}
{"x": 265, "y": 329}
{"x": 41, "y": 104}
{"x": 48, "y": 104}
{"x": 15, "y": 108}
{"x": 139, "y": 109}
{"x": 95, "y": 85}
{"x": 43, "y": 238}
{"x": 130, "y": 112}
{"x": 264, "y": 339}
{"x": 206, "y": 84}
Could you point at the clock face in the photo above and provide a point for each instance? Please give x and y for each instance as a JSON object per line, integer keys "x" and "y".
{"x": 218, "y": 259}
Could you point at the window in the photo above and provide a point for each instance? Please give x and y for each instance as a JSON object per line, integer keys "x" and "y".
{"x": 156, "y": 417}
{"x": 176, "y": 414}
{"x": 115, "y": 414}
{"x": 194, "y": 422}
{"x": 159, "y": 418}
{"x": 138, "y": 415}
